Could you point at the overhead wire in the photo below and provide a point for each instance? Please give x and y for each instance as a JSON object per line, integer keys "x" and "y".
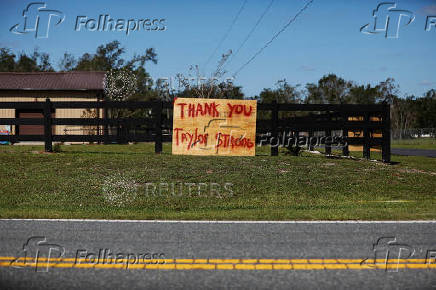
{"x": 226, "y": 34}
{"x": 274, "y": 37}
{"x": 259, "y": 20}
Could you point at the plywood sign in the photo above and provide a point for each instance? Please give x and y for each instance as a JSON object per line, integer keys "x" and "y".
{"x": 214, "y": 127}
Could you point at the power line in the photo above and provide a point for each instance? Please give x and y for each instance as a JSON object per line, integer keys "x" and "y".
{"x": 274, "y": 37}
{"x": 251, "y": 31}
{"x": 227, "y": 33}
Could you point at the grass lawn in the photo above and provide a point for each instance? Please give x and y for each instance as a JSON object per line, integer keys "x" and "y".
{"x": 116, "y": 182}
{"x": 418, "y": 143}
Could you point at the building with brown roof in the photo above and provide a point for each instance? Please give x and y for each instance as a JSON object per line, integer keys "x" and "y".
{"x": 57, "y": 86}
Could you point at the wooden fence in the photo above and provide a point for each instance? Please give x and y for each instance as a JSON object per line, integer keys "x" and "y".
{"x": 157, "y": 127}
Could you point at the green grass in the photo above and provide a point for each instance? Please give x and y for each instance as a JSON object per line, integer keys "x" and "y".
{"x": 71, "y": 184}
{"x": 418, "y": 143}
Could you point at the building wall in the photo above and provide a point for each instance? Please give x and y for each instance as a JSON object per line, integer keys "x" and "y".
{"x": 60, "y": 113}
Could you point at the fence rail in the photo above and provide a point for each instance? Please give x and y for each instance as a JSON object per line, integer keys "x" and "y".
{"x": 364, "y": 119}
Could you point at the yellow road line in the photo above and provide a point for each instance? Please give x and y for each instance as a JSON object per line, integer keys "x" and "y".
{"x": 221, "y": 261}
{"x": 212, "y": 266}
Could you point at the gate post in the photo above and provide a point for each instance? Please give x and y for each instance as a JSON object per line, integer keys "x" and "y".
{"x": 48, "y": 137}
{"x": 345, "y": 149}
{"x": 366, "y": 137}
{"x": 328, "y": 134}
{"x": 157, "y": 116}
{"x": 274, "y": 127}
{"x": 105, "y": 123}
{"x": 328, "y": 148}
{"x": 310, "y": 134}
{"x": 386, "y": 147}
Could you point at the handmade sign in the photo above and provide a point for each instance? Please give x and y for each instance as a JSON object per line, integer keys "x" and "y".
{"x": 5, "y": 130}
{"x": 214, "y": 127}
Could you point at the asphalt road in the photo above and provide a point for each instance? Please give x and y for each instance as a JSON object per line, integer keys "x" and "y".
{"x": 184, "y": 255}
{"x": 414, "y": 152}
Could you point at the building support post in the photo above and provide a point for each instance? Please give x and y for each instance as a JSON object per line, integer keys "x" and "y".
{"x": 48, "y": 137}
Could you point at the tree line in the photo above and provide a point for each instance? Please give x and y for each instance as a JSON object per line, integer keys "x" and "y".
{"x": 406, "y": 112}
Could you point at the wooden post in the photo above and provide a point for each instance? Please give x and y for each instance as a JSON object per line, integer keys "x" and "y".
{"x": 157, "y": 116}
{"x": 386, "y": 146}
{"x": 345, "y": 149}
{"x": 105, "y": 123}
{"x": 328, "y": 148}
{"x": 126, "y": 132}
{"x": 274, "y": 128}
{"x": 97, "y": 110}
{"x": 48, "y": 137}
{"x": 310, "y": 134}
{"x": 367, "y": 138}
{"x": 297, "y": 136}
{"x": 328, "y": 135}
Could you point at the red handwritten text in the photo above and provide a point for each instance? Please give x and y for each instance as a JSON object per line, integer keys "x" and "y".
{"x": 195, "y": 110}
{"x": 239, "y": 109}
{"x": 191, "y": 139}
{"x": 226, "y": 140}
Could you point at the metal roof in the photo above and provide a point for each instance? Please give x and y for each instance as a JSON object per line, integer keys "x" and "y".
{"x": 56, "y": 81}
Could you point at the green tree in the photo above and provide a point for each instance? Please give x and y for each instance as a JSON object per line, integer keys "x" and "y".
{"x": 363, "y": 94}
{"x": 403, "y": 115}
{"x": 38, "y": 61}
{"x": 196, "y": 85}
{"x": 283, "y": 93}
{"x": 7, "y": 60}
{"x": 330, "y": 89}
{"x": 387, "y": 90}
{"x": 68, "y": 62}
{"x": 107, "y": 57}
{"x": 426, "y": 110}
{"x": 26, "y": 64}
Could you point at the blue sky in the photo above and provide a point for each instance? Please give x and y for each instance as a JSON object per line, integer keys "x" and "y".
{"x": 324, "y": 39}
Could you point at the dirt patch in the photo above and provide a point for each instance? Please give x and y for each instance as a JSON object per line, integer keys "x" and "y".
{"x": 329, "y": 164}
{"x": 418, "y": 171}
{"x": 42, "y": 152}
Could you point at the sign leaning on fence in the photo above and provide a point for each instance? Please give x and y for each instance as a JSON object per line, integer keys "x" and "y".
{"x": 5, "y": 130}
{"x": 214, "y": 127}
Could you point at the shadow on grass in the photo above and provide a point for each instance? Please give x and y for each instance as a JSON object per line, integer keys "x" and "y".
{"x": 114, "y": 152}
{"x": 359, "y": 159}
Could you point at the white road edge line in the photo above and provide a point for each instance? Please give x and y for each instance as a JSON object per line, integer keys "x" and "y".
{"x": 227, "y": 222}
